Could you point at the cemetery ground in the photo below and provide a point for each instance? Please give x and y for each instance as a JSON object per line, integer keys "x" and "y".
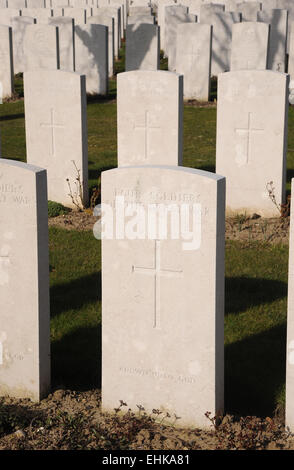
{"x": 255, "y": 320}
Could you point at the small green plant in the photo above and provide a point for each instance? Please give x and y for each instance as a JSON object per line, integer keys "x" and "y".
{"x": 55, "y": 209}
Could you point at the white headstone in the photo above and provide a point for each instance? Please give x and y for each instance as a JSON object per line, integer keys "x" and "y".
{"x": 140, "y": 11}
{"x": 290, "y": 328}
{"x": 291, "y": 54}
{"x": 6, "y": 63}
{"x": 6, "y": 14}
{"x": 149, "y": 118}
{"x": 142, "y": 47}
{"x": 252, "y": 139}
{"x": 24, "y": 282}
{"x": 109, "y": 22}
{"x": 161, "y": 19}
{"x": 66, "y": 28}
{"x": 91, "y": 46}
{"x": 56, "y": 131}
{"x": 78, "y": 14}
{"x": 278, "y": 20}
{"x": 40, "y": 14}
{"x": 139, "y": 19}
{"x": 19, "y": 25}
{"x": 250, "y": 46}
{"x": 35, "y": 3}
{"x": 249, "y": 10}
{"x": 208, "y": 8}
{"x": 173, "y": 17}
{"x": 222, "y": 24}
{"x": 112, "y": 12}
{"x": 18, "y": 4}
{"x": 194, "y": 59}
{"x": 168, "y": 302}
{"x": 41, "y": 47}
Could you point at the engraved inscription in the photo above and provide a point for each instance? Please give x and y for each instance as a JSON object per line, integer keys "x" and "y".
{"x": 157, "y": 272}
{"x": 147, "y": 127}
{"x": 244, "y": 157}
{"x": 158, "y": 375}
{"x": 12, "y": 193}
{"x": 52, "y": 125}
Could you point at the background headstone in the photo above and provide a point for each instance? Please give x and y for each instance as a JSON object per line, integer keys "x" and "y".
{"x": 222, "y": 24}
{"x": 278, "y": 21}
{"x": 6, "y": 62}
{"x": 41, "y": 47}
{"x": 250, "y": 46}
{"x": 109, "y": 22}
{"x": 19, "y": 25}
{"x": 149, "y": 118}
{"x": 252, "y": 139}
{"x": 66, "y": 28}
{"x": 56, "y": 130}
{"x": 194, "y": 59}
{"x": 142, "y": 47}
{"x": 91, "y": 46}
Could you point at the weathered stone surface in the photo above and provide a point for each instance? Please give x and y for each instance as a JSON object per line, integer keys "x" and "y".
{"x": 56, "y": 131}
{"x": 222, "y": 24}
{"x": 66, "y": 27}
{"x": 109, "y": 22}
{"x": 6, "y": 62}
{"x": 19, "y": 25}
{"x": 41, "y": 47}
{"x": 290, "y": 328}
{"x": 141, "y": 19}
{"x": 250, "y": 46}
{"x": 167, "y": 302}
{"x": 6, "y": 14}
{"x": 40, "y": 14}
{"x": 249, "y": 10}
{"x": 252, "y": 139}
{"x": 149, "y": 123}
{"x": 142, "y": 47}
{"x": 91, "y": 45}
{"x": 278, "y": 21}
{"x": 112, "y": 12}
{"x": 173, "y": 17}
{"x": 24, "y": 282}
{"x": 194, "y": 59}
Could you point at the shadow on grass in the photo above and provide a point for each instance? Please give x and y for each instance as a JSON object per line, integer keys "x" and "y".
{"x": 75, "y": 294}
{"x": 95, "y": 174}
{"x": 11, "y": 117}
{"x": 76, "y": 360}
{"x": 255, "y": 373}
{"x": 242, "y": 293}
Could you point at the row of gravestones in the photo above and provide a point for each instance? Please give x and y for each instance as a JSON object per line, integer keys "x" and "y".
{"x": 251, "y": 130}
{"x": 86, "y": 48}
{"x": 163, "y": 282}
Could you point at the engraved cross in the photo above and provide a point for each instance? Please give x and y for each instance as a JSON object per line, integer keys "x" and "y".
{"x": 248, "y": 131}
{"x": 147, "y": 127}
{"x": 52, "y": 125}
{"x": 157, "y": 272}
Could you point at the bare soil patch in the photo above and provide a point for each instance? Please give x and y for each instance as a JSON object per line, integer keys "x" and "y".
{"x": 69, "y": 420}
{"x": 239, "y": 228}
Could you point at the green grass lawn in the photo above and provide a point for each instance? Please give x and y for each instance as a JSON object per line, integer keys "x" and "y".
{"x": 256, "y": 274}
